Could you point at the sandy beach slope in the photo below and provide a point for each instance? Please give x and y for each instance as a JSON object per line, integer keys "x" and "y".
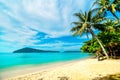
{"x": 85, "y": 69}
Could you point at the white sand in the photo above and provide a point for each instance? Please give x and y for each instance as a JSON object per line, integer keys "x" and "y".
{"x": 86, "y": 69}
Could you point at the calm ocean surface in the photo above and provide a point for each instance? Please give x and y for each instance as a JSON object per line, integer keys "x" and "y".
{"x": 14, "y": 59}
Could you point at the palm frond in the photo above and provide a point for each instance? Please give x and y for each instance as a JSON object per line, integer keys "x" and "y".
{"x": 77, "y": 23}
{"x": 82, "y": 29}
{"x": 89, "y": 16}
{"x": 76, "y": 28}
{"x": 97, "y": 2}
{"x": 80, "y": 16}
{"x": 99, "y": 27}
{"x": 87, "y": 32}
{"x": 95, "y": 10}
{"x": 115, "y": 15}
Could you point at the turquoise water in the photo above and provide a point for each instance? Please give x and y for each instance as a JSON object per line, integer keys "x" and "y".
{"x": 8, "y": 60}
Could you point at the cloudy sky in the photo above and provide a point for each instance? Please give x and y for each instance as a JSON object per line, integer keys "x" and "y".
{"x": 41, "y": 24}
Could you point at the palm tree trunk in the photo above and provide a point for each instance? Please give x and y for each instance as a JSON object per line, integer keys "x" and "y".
{"x": 99, "y": 43}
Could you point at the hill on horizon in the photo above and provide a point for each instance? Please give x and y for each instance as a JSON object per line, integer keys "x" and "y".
{"x": 31, "y": 50}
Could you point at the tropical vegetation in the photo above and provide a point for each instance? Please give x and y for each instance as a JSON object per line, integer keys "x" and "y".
{"x": 107, "y": 41}
{"x": 105, "y": 6}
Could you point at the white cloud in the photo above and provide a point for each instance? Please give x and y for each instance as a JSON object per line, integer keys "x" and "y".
{"x": 45, "y": 15}
{"x": 59, "y": 45}
{"x": 43, "y": 8}
{"x": 53, "y": 17}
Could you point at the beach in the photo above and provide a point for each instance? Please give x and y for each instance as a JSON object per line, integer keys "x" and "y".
{"x": 85, "y": 69}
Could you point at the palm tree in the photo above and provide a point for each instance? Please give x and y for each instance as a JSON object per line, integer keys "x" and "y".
{"x": 111, "y": 25}
{"x": 108, "y": 5}
{"x": 88, "y": 21}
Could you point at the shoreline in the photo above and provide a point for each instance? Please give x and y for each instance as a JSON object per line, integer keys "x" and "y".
{"x": 8, "y": 65}
{"x": 83, "y": 69}
{"x": 5, "y": 73}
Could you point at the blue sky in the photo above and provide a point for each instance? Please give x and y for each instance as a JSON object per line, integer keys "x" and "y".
{"x": 41, "y": 24}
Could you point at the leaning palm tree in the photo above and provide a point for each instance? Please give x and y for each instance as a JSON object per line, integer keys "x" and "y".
{"x": 112, "y": 6}
{"x": 88, "y": 21}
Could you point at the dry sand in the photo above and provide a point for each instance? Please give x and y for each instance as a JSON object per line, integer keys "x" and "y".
{"x": 85, "y": 69}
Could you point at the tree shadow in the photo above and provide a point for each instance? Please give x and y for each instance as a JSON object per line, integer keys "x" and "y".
{"x": 63, "y": 78}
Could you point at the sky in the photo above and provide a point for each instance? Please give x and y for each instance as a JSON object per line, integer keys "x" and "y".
{"x": 40, "y": 24}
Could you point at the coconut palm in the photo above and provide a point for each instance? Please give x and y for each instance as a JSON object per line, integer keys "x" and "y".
{"x": 111, "y": 26}
{"x": 88, "y": 21}
{"x": 108, "y": 5}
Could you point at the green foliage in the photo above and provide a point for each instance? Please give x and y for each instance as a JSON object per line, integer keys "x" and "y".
{"x": 109, "y": 33}
{"x": 87, "y": 21}
{"x": 109, "y": 29}
{"x": 90, "y": 46}
{"x": 108, "y": 5}
{"x": 110, "y": 40}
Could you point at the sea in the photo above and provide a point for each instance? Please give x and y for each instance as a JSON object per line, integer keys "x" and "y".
{"x": 8, "y": 60}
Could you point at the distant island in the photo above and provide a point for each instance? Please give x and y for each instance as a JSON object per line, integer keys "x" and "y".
{"x": 31, "y": 50}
